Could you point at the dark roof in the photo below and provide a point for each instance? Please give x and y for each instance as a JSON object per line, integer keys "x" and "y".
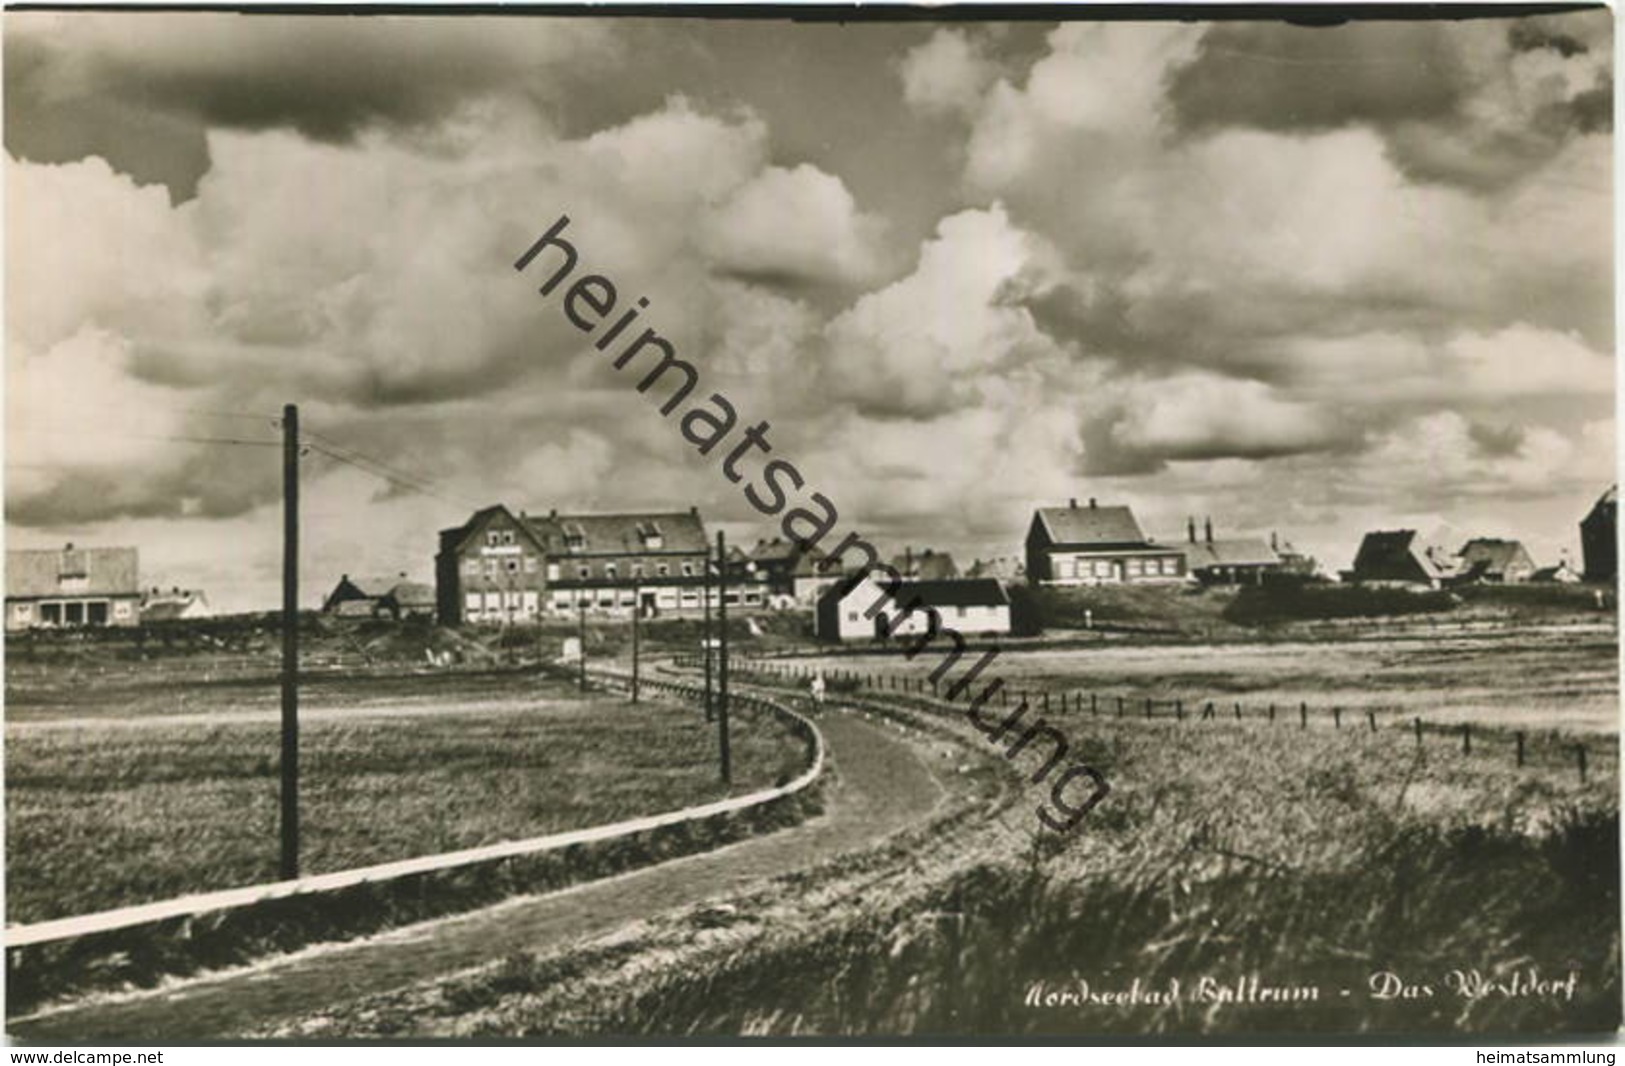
{"x": 1229, "y": 551}
{"x": 106, "y": 572}
{"x": 681, "y": 532}
{"x": 1396, "y": 554}
{"x": 1494, "y": 554}
{"x": 1606, "y": 507}
{"x": 972, "y": 592}
{"x": 1091, "y": 526}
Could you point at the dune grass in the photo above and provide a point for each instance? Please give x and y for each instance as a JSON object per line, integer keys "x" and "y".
{"x": 101, "y": 816}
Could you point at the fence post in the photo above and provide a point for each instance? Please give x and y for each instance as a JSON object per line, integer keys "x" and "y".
{"x": 1093, "y": 707}
{"x": 1207, "y": 712}
{"x": 1303, "y": 716}
{"x": 1466, "y": 738}
{"x": 1119, "y": 706}
{"x": 1417, "y": 722}
{"x": 1371, "y": 720}
{"x": 1580, "y": 760}
{"x": 1272, "y": 712}
{"x": 1519, "y": 737}
{"x": 1238, "y": 712}
{"x": 1148, "y": 706}
{"x": 1337, "y": 717}
{"x": 1179, "y": 710}
{"x": 1046, "y": 702}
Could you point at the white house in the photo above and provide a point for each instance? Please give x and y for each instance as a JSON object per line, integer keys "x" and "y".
{"x": 977, "y": 605}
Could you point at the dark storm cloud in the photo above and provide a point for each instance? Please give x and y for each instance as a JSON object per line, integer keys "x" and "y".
{"x": 1438, "y": 93}
{"x": 1296, "y": 78}
{"x": 141, "y": 90}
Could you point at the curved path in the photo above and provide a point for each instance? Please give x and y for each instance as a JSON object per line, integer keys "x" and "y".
{"x": 884, "y": 785}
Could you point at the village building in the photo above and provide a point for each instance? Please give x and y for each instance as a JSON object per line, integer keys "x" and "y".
{"x": 793, "y": 577}
{"x": 1494, "y": 561}
{"x": 1227, "y": 560}
{"x": 1005, "y": 568}
{"x": 1599, "y": 534}
{"x": 173, "y": 605}
{"x": 967, "y": 606}
{"x": 72, "y": 587}
{"x": 1094, "y": 545}
{"x": 1399, "y": 558}
{"x": 925, "y": 565}
{"x": 499, "y": 567}
{"x": 383, "y": 597}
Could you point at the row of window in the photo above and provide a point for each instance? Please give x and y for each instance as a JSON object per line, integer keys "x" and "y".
{"x": 492, "y": 566}
{"x": 575, "y": 540}
{"x": 91, "y": 613}
{"x": 497, "y": 606}
{"x": 1113, "y": 568}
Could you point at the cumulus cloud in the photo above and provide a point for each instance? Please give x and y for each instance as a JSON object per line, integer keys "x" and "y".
{"x": 795, "y": 225}
{"x": 948, "y": 73}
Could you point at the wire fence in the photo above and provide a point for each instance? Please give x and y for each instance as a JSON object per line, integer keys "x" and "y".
{"x": 1546, "y": 748}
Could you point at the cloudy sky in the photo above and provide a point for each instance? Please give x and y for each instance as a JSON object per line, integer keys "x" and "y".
{"x": 1313, "y": 280}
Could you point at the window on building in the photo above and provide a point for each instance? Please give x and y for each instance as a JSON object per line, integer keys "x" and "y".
{"x": 23, "y": 612}
{"x": 583, "y": 572}
{"x": 1170, "y": 566}
{"x": 609, "y": 571}
{"x": 637, "y": 569}
{"x": 97, "y": 613}
{"x": 50, "y": 614}
{"x": 530, "y": 564}
{"x": 851, "y": 616}
{"x": 74, "y": 614}
{"x": 512, "y": 566}
{"x": 507, "y": 536}
{"x": 471, "y": 566}
{"x": 490, "y": 566}
{"x": 552, "y": 571}
{"x": 1103, "y": 569}
{"x": 688, "y": 569}
{"x": 492, "y": 538}
{"x": 959, "y": 612}
{"x": 663, "y": 570}
{"x": 1134, "y": 568}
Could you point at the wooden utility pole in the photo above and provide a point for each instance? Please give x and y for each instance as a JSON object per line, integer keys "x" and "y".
{"x": 637, "y": 610}
{"x": 705, "y": 626}
{"x": 722, "y": 659}
{"x": 290, "y": 642}
{"x": 581, "y": 636}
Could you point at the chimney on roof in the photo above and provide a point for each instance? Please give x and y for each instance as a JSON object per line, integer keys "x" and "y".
{"x": 69, "y": 548}
{"x": 908, "y": 561}
{"x": 1091, "y": 503}
{"x": 1072, "y": 503}
{"x": 1274, "y": 547}
{"x": 1207, "y": 525}
{"x": 553, "y": 513}
{"x": 694, "y": 510}
{"x": 1190, "y": 528}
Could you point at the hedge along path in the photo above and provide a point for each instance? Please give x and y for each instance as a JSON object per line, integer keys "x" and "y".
{"x": 181, "y": 907}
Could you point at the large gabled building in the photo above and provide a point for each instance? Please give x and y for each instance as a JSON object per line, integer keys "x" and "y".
{"x": 1094, "y": 545}
{"x": 1495, "y": 561}
{"x": 1398, "y": 557}
{"x": 499, "y": 567}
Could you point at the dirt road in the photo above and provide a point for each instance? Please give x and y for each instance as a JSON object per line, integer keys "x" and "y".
{"x": 884, "y": 784}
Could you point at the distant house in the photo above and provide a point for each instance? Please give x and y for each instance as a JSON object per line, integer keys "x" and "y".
{"x": 383, "y": 597}
{"x": 1496, "y": 561}
{"x": 793, "y": 576}
{"x": 967, "y": 606}
{"x": 1096, "y": 545}
{"x": 1227, "y": 560}
{"x": 925, "y": 565}
{"x": 1599, "y": 533}
{"x": 1399, "y": 558}
{"x": 1559, "y": 574}
{"x": 503, "y": 567}
{"x": 72, "y": 587}
{"x": 1006, "y": 568}
{"x": 174, "y": 604}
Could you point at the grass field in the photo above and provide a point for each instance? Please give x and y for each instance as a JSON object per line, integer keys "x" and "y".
{"x": 112, "y": 800}
{"x": 1313, "y": 859}
{"x": 1515, "y": 679}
